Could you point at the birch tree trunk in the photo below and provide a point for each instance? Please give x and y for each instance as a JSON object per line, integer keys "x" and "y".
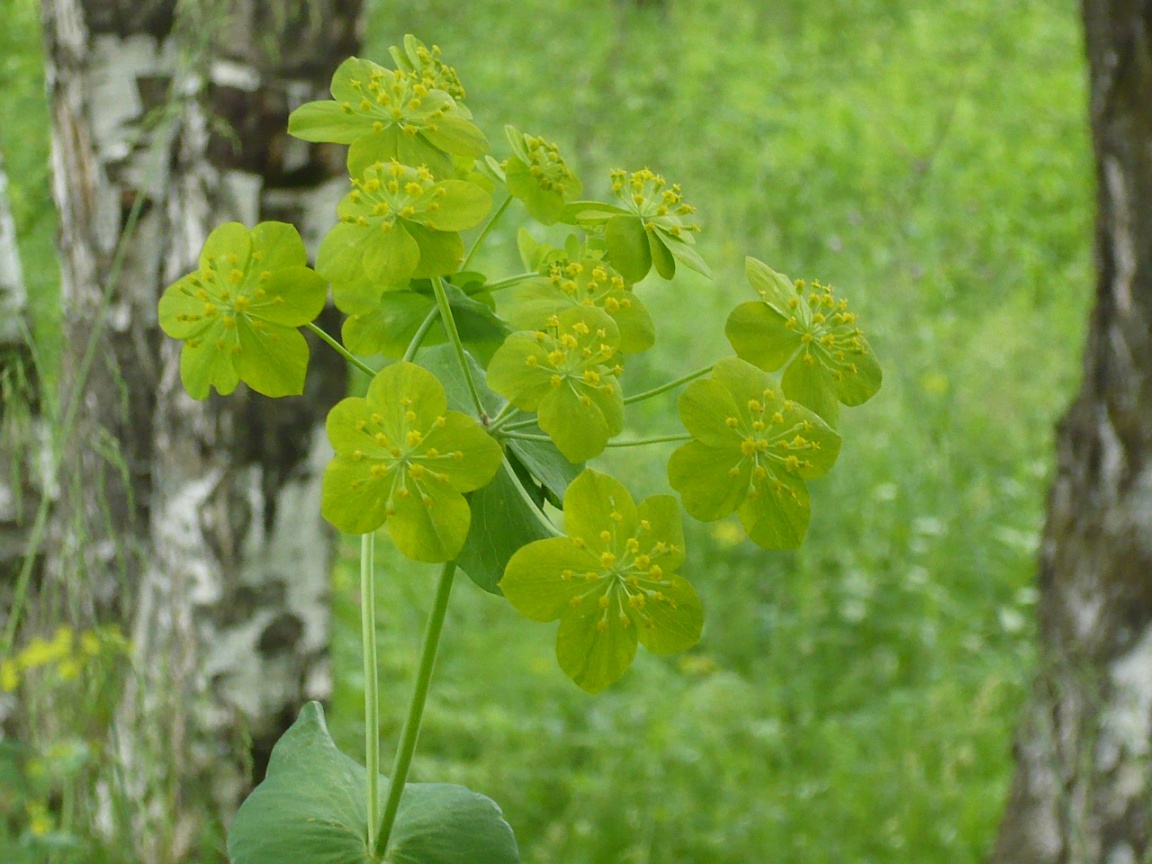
{"x": 17, "y": 404}
{"x": 194, "y": 523}
{"x": 1083, "y": 785}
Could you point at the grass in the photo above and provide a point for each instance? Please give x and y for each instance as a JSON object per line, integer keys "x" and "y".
{"x": 855, "y": 700}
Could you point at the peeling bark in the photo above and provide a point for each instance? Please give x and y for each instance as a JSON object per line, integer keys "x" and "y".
{"x": 196, "y": 524}
{"x": 1083, "y": 785}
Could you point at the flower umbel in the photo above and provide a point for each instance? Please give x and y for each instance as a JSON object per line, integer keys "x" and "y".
{"x": 239, "y": 312}
{"x": 611, "y": 581}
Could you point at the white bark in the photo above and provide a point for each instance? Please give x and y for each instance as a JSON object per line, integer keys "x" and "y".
{"x": 205, "y": 537}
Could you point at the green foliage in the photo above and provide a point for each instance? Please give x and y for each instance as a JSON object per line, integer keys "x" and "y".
{"x": 239, "y": 312}
{"x": 309, "y": 810}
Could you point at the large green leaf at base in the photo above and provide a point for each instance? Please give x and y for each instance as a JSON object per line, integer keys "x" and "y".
{"x": 310, "y": 809}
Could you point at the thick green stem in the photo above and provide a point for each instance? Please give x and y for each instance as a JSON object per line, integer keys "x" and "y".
{"x": 342, "y": 351}
{"x": 454, "y": 338}
{"x": 664, "y": 388}
{"x": 371, "y": 681}
{"x": 487, "y": 230}
{"x": 421, "y": 332}
{"x": 411, "y": 730}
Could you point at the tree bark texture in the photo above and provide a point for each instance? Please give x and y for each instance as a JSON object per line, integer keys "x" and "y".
{"x": 194, "y": 523}
{"x": 18, "y": 407}
{"x": 1083, "y": 786}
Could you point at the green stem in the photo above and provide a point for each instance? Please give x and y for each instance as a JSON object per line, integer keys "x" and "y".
{"x": 627, "y": 442}
{"x": 500, "y": 419}
{"x": 454, "y": 338}
{"x": 371, "y": 681}
{"x": 421, "y": 332}
{"x": 342, "y": 351}
{"x": 664, "y": 388}
{"x": 487, "y": 230}
{"x": 411, "y": 730}
{"x": 510, "y": 281}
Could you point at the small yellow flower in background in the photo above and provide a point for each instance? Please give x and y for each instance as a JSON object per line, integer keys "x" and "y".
{"x": 728, "y": 534}
{"x": 39, "y": 820}
{"x": 40, "y": 652}
{"x": 9, "y": 676}
{"x": 90, "y": 643}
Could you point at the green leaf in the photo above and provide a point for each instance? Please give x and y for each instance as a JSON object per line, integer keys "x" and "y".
{"x": 804, "y": 329}
{"x": 239, "y": 312}
{"x": 610, "y": 581}
{"x": 439, "y": 823}
{"x": 685, "y": 253}
{"x": 752, "y": 452}
{"x": 390, "y": 325}
{"x": 774, "y": 288}
{"x": 504, "y": 519}
{"x": 310, "y": 809}
{"x": 760, "y": 334}
{"x": 628, "y": 247}
{"x": 562, "y": 374}
{"x": 545, "y": 462}
{"x": 403, "y": 460}
{"x": 662, "y": 258}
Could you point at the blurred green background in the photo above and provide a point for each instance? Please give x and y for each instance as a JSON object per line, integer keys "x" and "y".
{"x": 853, "y": 701}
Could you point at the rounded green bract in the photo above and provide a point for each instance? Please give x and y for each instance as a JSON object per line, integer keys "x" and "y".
{"x": 402, "y": 461}
{"x": 752, "y": 452}
{"x": 238, "y": 313}
{"x": 611, "y": 581}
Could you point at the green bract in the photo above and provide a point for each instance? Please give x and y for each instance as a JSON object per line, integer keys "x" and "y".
{"x": 390, "y": 114}
{"x": 566, "y": 373}
{"x": 239, "y": 312}
{"x": 399, "y": 223}
{"x": 611, "y": 581}
{"x": 753, "y": 451}
{"x": 827, "y": 360}
{"x": 537, "y": 174}
{"x": 402, "y": 460}
{"x": 587, "y": 281}
{"x": 651, "y": 231}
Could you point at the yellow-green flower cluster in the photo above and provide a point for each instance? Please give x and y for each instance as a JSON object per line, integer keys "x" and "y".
{"x": 66, "y": 654}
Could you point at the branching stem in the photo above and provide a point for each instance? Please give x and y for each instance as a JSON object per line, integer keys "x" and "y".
{"x": 421, "y": 332}
{"x": 487, "y": 230}
{"x": 342, "y": 351}
{"x": 454, "y": 337}
{"x": 664, "y": 388}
